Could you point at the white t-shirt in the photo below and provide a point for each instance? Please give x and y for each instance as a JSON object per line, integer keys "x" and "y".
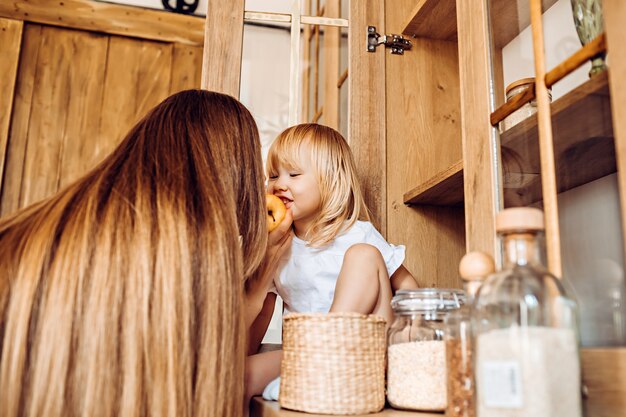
{"x": 307, "y": 276}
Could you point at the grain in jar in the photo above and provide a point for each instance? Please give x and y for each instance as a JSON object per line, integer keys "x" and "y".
{"x": 527, "y": 358}
{"x": 416, "y": 365}
{"x": 416, "y": 378}
{"x": 528, "y": 371}
{"x": 474, "y": 267}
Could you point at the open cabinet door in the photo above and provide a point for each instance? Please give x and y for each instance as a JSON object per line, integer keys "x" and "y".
{"x": 222, "y": 63}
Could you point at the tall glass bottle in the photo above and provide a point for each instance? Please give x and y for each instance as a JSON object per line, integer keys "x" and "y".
{"x": 527, "y": 358}
{"x": 474, "y": 267}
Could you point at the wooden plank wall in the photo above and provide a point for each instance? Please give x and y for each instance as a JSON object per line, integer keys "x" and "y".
{"x": 11, "y": 39}
{"x": 423, "y": 138}
{"x": 77, "y": 92}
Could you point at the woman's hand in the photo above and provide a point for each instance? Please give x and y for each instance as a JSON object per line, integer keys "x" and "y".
{"x": 257, "y": 286}
{"x": 279, "y": 241}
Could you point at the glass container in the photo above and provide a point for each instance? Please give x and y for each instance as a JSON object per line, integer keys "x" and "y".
{"x": 527, "y": 356}
{"x": 513, "y": 90}
{"x": 474, "y": 267}
{"x": 416, "y": 366}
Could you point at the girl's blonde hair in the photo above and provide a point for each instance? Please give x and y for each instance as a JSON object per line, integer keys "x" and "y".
{"x": 342, "y": 202}
{"x": 122, "y": 295}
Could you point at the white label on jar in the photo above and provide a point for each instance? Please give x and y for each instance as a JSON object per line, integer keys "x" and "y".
{"x": 502, "y": 384}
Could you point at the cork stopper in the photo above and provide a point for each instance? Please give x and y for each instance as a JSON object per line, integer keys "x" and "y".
{"x": 519, "y": 219}
{"x": 475, "y": 266}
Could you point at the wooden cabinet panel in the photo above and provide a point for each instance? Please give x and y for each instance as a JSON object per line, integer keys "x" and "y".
{"x": 223, "y": 50}
{"x": 137, "y": 78}
{"x": 12, "y": 180}
{"x": 366, "y": 129}
{"x": 423, "y": 139}
{"x": 66, "y": 95}
{"x": 614, "y": 14}
{"x": 86, "y": 75}
{"x": 11, "y": 38}
{"x": 481, "y": 200}
{"x": 186, "y": 68}
{"x": 77, "y": 92}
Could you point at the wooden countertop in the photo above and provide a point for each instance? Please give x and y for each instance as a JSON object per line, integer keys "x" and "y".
{"x": 262, "y": 408}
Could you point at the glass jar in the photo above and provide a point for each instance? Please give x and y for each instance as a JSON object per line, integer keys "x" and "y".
{"x": 474, "y": 267}
{"x": 416, "y": 364}
{"x": 527, "y": 358}
{"x": 513, "y": 90}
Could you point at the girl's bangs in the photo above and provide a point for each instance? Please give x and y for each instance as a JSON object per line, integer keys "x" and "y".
{"x": 285, "y": 152}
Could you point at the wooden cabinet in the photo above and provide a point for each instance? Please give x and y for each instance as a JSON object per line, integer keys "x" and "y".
{"x": 424, "y": 148}
{"x": 548, "y": 160}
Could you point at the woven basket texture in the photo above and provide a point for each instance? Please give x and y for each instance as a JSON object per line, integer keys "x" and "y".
{"x": 333, "y": 363}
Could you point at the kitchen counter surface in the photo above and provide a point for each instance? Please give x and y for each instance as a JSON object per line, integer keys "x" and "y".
{"x": 262, "y": 408}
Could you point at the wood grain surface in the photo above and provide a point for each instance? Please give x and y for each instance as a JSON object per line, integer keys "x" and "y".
{"x": 423, "y": 139}
{"x": 11, "y": 41}
{"x": 114, "y": 19}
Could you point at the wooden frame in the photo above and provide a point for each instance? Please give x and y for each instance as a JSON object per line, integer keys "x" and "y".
{"x": 332, "y": 45}
{"x": 366, "y": 126}
{"x": 614, "y": 16}
{"x": 221, "y": 61}
{"x": 480, "y": 176}
{"x": 306, "y": 72}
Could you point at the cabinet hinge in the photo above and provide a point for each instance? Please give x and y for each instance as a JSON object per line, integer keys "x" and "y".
{"x": 397, "y": 43}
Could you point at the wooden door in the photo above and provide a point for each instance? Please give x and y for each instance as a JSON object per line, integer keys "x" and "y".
{"x": 76, "y": 76}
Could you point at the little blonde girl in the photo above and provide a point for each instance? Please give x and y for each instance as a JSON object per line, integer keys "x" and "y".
{"x": 338, "y": 261}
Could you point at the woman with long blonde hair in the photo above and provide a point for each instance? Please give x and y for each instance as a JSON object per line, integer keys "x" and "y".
{"x": 123, "y": 294}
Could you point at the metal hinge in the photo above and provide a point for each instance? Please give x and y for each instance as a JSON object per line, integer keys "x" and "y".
{"x": 397, "y": 43}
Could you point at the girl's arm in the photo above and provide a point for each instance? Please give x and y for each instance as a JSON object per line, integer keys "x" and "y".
{"x": 403, "y": 280}
{"x": 261, "y": 369}
{"x": 259, "y": 326}
{"x": 259, "y": 283}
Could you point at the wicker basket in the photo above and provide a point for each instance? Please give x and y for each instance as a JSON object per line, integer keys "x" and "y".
{"x": 333, "y": 363}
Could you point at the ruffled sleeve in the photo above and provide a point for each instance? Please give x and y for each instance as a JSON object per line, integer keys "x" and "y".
{"x": 392, "y": 254}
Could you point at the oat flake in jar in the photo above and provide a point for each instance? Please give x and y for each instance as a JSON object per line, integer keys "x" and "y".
{"x": 416, "y": 365}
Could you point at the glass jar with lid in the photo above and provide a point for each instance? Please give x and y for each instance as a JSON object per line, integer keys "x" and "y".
{"x": 474, "y": 268}
{"x": 513, "y": 91}
{"x": 527, "y": 359}
{"x": 416, "y": 365}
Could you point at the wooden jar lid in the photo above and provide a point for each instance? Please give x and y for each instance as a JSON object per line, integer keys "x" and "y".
{"x": 475, "y": 266}
{"x": 519, "y": 82}
{"x": 518, "y": 219}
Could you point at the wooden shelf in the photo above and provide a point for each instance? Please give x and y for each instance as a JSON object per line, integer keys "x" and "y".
{"x": 584, "y": 149}
{"x": 436, "y": 19}
{"x": 433, "y": 19}
{"x": 443, "y": 189}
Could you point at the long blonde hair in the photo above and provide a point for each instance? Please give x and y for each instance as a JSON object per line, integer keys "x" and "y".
{"x": 342, "y": 202}
{"x": 122, "y": 294}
